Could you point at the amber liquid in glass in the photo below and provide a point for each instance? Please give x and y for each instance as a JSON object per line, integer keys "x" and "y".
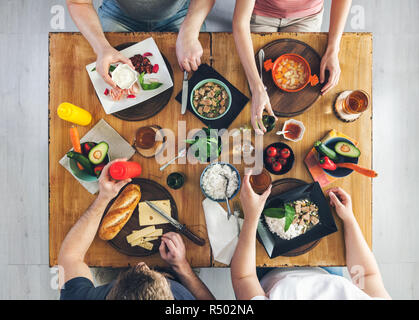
{"x": 146, "y": 138}
{"x": 356, "y": 102}
{"x": 260, "y": 182}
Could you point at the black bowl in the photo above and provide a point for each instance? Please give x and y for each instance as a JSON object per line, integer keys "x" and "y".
{"x": 276, "y": 246}
{"x": 340, "y": 172}
{"x": 290, "y": 161}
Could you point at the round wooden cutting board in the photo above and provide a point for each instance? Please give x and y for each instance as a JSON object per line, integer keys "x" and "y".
{"x": 150, "y": 107}
{"x": 288, "y": 104}
{"x": 150, "y": 190}
{"x": 284, "y": 185}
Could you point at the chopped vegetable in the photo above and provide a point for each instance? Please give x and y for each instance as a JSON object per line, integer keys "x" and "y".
{"x": 98, "y": 169}
{"x": 156, "y": 68}
{"x": 81, "y": 159}
{"x": 148, "y": 86}
{"x": 147, "y": 54}
{"x": 325, "y": 151}
{"x": 327, "y": 164}
{"x": 131, "y": 96}
{"x": 359, "y": 169}
{"x": 75, "y": 141}
{"x": 106, "y": 92}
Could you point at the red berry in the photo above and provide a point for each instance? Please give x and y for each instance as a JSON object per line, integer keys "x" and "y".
{"x": 285, "y": 153}
{"x": 270, "y": 160}
{"x": 272, "y": 152}
{"x": 282, "y": 161}
{"x": 276, "y": 166}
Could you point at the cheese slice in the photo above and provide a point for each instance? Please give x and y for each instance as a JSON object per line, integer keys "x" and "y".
{"x": 157, "y": 233}
{"x": 146, "y": 245}
{"x": 148, "y": 216}
{"x": 140, "y": 233}
{"x": 138, "y": 241}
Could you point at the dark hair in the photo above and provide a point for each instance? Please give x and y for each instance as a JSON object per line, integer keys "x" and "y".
{"x": 140, "y": 283}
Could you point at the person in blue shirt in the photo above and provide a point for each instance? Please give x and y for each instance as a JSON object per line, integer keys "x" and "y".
{"x": 138, "y": 282}
{"x": 184, "y": 16}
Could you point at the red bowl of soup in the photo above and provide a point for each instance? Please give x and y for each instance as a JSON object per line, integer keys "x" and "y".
{"x": 291, "y": 72}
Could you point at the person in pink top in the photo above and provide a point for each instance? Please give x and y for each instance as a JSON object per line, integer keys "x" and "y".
{"x": 285, "y": 16}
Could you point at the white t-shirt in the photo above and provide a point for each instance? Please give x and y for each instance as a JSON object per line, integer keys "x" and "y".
{"x": 308, "y": 284}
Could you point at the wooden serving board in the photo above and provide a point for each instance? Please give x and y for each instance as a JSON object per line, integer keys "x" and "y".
{"x": 284, "y": 185}
{"x": 150, "y": 190}
{"x": 288, "y": 104}
{"x": 150, "y": 107}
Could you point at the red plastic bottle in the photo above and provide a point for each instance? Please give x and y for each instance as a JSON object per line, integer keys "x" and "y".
{"x": 122, "y": 170}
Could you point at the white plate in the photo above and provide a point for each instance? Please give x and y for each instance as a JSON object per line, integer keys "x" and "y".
{"x": 163, "y": 75}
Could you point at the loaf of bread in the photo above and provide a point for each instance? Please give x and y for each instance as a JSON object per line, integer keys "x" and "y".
{"x": 120, "y": 212}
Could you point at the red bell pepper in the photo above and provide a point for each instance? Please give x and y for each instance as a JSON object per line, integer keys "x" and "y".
{"x": 327, "y": 164}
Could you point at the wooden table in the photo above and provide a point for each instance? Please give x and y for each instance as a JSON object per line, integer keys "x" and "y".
{"x": 70, "y": 53}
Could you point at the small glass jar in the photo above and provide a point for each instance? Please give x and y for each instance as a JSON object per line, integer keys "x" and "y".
{"x": 176, "y": 180}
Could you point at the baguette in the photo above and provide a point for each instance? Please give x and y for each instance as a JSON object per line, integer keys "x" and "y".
{"x": 120, "y": 212}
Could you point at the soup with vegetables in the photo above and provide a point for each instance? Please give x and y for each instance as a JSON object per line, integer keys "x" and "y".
{"x": 290, "y": 74}
{"x": 210, "y": 100}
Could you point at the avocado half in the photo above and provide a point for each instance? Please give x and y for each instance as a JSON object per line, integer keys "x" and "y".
{"x": 98, "y": 153}
{"x": 347, "y": 150}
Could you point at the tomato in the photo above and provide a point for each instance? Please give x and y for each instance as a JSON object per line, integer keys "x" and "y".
{"x": 272, "y": 152}
{"x": 270, "y": 160}
{"x": 285, "y": 153}
{"x": 282, "y": 161}
{"x": 276, "y": 166}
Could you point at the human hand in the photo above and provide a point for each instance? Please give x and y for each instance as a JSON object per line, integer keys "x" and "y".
{"x": 188, "y": 51}
{"x": 342, "y": 202}
{"x": 251, "y": 202}
{"x": 260, "y": 102}
{"x": 330, "y": 62}
{"x": 172, "y": 250}
{"x": 105, "y": 58}
{"x": 108, "y": 187}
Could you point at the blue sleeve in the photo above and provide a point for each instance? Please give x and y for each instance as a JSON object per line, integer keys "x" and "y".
{"x": 179, "y": 291}
{"x": 81, "y": 288}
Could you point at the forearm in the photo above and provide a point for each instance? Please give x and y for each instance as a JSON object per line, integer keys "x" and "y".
{"x": 243, "y": 263}
{"x": 197, "y": 13}
{"x": 189, "y": 279}
{"x": 357, "y": 251}
{"x": 81, "y": 235}
{"x": 244, "y": 45}
{"x": 338, "y": 15}
{"x": 86, "y": 19}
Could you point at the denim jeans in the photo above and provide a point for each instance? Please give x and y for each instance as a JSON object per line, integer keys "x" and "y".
{"x": 113, "y": 19}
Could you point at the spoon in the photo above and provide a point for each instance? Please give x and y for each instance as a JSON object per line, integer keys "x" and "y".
{"x": 228, "y": 204}
{"x": 281, "y": 132}
{"x": 181, "y": 154}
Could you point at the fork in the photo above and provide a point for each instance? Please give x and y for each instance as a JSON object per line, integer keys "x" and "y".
{"x": 225, "y": 192}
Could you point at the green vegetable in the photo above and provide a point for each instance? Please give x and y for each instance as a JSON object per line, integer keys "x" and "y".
{"x": 148, "y": 86}
{"x": 111, "y": 68}
{"x": 82, "y": 160}
{"x": 289, "y": 216}
{"x": 98, "y": 153}
{"x": 210, "y": 144}
{"x": 346, "y": 149}
{"x": 323, "y": 150}
{"x": 286, "y": 211}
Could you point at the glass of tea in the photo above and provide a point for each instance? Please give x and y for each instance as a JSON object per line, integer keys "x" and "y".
{"x": 261, "y": 182}
{"x": 356, "y": 102}
{"x": 145, "y": 138}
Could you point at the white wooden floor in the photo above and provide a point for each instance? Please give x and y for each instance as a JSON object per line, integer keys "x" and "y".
{"x": 24, "y": 27}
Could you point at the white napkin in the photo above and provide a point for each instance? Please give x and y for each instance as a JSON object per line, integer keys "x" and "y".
{"x": 118, "y": 148}
{"x": 222, "y": 233}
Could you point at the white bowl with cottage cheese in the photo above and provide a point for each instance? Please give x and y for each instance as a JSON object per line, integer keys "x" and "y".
{"x": 213, "y": 183}
{"x": 124, "y": 76}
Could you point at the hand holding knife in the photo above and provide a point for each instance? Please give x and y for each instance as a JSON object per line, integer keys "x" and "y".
{"x": 180, "y": 227}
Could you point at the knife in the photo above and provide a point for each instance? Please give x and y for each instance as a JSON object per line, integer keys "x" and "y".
{"x": 184, "y": 92}
{"x": 180, "y": 227}
{"x": 261, "y": 56}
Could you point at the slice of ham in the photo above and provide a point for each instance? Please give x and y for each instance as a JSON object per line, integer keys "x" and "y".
{"x": 119, "y": 94}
